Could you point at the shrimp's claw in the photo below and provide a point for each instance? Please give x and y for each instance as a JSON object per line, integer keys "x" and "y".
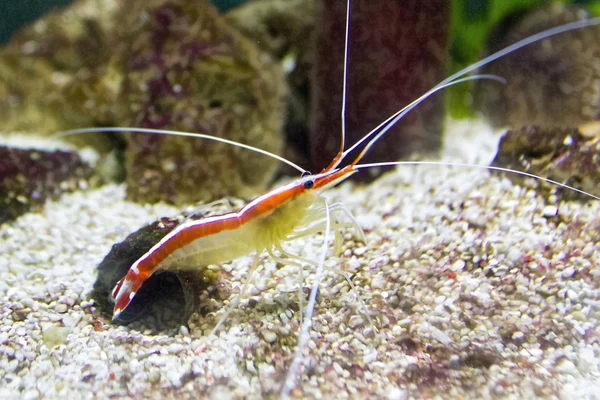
{"x": 125, "y": 291}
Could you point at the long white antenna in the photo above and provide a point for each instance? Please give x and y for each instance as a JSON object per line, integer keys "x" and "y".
{"x": 488, "y": 167}
{"x": 340, "y": 154}
{"x": 522, "y": 43}
{"x": 345, "y": 83}
{"x": 304, "y": 335}
{"x": 454, "y": 77}
{"x": 177, "y": 133}
{"x": 388, "y": 123}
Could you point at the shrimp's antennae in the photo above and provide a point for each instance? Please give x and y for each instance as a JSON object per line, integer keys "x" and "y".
{"x": 405, "y": 110}
{"x": 177, "y": 133}
{"x": 468, "y": 165}
{"x": 340, "y": 154}
{"x": 310, "y": 307}
{"x": 454, "y": 78}
{"x": 571, "y": 26}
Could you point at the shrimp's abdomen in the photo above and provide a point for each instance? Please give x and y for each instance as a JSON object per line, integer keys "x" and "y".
{"x": 214, "y": 240}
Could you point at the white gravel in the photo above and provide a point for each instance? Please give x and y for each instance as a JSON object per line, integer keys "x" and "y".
{"x": 474, "y": 287}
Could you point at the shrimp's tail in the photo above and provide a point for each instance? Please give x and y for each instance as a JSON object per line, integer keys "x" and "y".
{"x": 125, "y": 291}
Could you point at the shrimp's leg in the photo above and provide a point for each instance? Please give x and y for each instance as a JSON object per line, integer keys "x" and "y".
{"x": 304, "y": 335}
{"x": 319, "y": 213}
{"x": 341, "y": 207}
{"x": 346, "y": 276}
{"x": 355, "y": 290}
{"x": 318, "y": 228}
{"x": 239, "y": 297}
{"x": 293, "y": 257}
{"x": 320, "y": 224}
{"x": 295, "y": 260}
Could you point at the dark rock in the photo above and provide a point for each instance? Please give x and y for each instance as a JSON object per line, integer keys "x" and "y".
{"x": 187, "y": 69}
{"x": 562, "y": 155}
{"x": 552, "y": 83}
{"x": 30, "y": 176}
{"x": 397, "y": 51}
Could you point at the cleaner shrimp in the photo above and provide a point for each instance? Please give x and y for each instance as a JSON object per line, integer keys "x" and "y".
{"x": 291, "y": 211}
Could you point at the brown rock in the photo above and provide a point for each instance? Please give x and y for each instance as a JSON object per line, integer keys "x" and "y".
{"x": 173, "y": 64}
{"x": 30, "y": 176}
{"x": 552, "y": 83}
{"x": 190, "y": 71}
{"x": 563, "y": 155}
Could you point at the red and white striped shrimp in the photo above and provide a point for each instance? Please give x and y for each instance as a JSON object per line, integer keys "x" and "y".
{"x": 277, "y": 216}
{"x": 286, "y": 212}
{"x": 264, "y": 223}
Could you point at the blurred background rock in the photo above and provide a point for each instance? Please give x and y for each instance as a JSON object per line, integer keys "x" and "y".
{"x": 15, "y": 14}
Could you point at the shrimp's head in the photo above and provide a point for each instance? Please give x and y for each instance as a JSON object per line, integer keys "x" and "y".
{"x": 328, "y": 178}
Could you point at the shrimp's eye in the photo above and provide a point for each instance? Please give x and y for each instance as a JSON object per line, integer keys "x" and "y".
{"x": 306, "y": 173}
{"x": 309, "y": 184}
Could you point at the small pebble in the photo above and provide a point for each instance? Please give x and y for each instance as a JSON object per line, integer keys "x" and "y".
{"x": 550, "y": 211}
{"x": 568, "y": 272}
{"x": 396, "y": 394}
{"x": 269, "y": 335}
{"x": 61, "y": 308}
{"x": 154, "y": 377}
{"x": 579, "y": 316}
{"x": 566, "y": 367}
{"x": 55, "y": 336}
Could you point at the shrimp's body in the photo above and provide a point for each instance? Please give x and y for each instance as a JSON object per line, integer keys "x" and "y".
{"x": 265, "y": 222}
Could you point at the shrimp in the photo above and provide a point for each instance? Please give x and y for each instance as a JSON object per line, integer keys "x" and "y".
{"x": 290, "y": 211}
{"x": 279, "y": 215}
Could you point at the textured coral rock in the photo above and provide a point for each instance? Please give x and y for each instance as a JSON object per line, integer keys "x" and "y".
{"x": 58, "y": 74}
{"x": 553, "y": 83}
{"x": 285, "y": 29}
{"x": 563, "y": 155}
{"x": 30, "y": 176}
{"x": 172, "y": 64}
{"x": 397, "y": 52}
{"x": 188, "y": 70}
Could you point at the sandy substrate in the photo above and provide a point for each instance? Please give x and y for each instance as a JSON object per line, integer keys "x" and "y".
{"x": 474, "y": 286}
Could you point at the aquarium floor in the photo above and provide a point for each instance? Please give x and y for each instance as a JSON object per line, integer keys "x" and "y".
{"x": 474, "y": 288}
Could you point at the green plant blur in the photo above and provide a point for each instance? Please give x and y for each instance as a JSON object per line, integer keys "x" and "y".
{"x": 472, "y": 22}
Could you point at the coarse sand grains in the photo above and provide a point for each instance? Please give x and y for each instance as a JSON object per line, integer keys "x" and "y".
{"x": 476, "y": 289}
